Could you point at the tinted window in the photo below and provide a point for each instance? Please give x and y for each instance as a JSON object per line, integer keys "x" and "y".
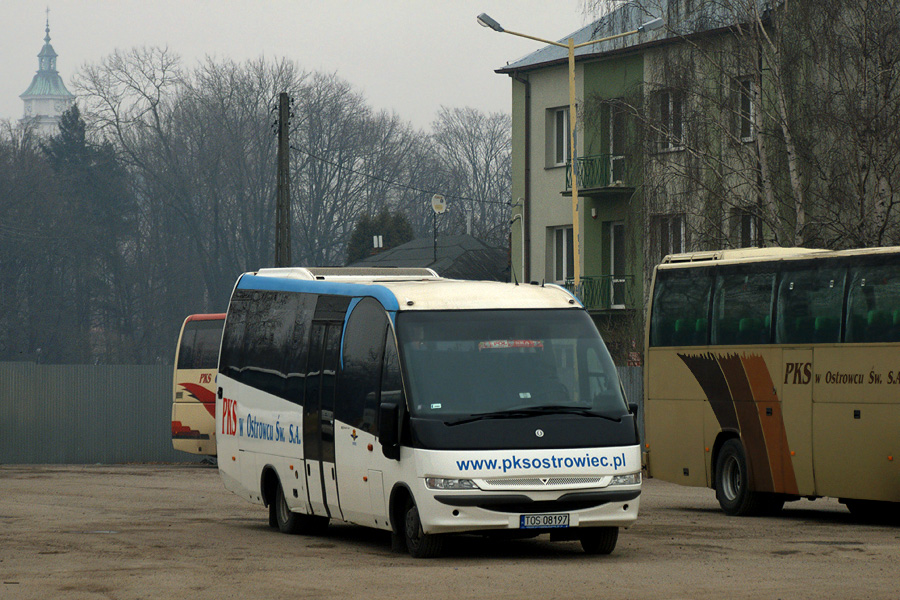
{"x": 232, "y": 362}
{"x": 467, "y": 362}
{"x": 263, "y": 325}
{"x": 200, "y": 345}
{"x": 809, "y": 305}
{"x": 873, "y": 305}
{"x": 391, "y": 383}
{"x": 680, "y": 307}
{"x": 295, "y": 354}
{"x": 260, "y": 338}
{"x": 742, "y": 307}
{"x": 361, "y": 375}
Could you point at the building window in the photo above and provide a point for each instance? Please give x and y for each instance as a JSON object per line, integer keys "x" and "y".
{"x": 743, "y": 228}
{"x": 561, "y": 136}
{"x": 671, "y": 120}
{"x": 746, "y": 110}
{"x": 563, "y": 253}
{"x": 667, "y": 235}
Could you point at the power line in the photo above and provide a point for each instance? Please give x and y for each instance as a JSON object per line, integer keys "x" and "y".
{"x": 394, "y": 183}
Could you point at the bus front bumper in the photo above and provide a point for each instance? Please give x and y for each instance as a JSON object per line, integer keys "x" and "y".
{"x": 466, "y": 511}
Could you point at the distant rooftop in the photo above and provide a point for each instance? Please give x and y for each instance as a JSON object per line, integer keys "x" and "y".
{"x": 457, "y": 257}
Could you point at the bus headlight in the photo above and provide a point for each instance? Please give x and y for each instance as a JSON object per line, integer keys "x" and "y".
{"x": 632, "y": 479}
{"x": 437, "y": 483}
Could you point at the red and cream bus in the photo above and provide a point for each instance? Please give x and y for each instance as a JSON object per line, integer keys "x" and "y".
{"x": 194, "y": 392}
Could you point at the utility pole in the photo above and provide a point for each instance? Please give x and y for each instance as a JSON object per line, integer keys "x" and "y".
{"x": 283, "y": 197}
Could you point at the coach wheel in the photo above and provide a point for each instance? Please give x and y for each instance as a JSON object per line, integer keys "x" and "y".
{"x": 599, "y": 540}
{"x": 419, "y": 543}
{"x": 733, "y": 482}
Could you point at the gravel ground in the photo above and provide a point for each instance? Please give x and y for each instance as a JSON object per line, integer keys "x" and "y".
{"x": 173, "y": 531}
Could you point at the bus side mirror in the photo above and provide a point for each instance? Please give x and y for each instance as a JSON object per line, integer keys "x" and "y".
{"x": 389, "y": 430}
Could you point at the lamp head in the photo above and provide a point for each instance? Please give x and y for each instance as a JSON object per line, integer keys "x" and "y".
{"x": 651, "y": 24}
{"x": 485, "y": 21}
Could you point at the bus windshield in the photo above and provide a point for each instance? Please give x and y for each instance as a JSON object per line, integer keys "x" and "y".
{"x": 480, "y": 362}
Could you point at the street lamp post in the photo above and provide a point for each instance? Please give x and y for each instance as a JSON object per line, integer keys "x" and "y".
{"x": 485, "y": 21}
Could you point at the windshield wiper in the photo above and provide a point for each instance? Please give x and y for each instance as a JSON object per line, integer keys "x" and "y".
{"x": 532, "y": 411}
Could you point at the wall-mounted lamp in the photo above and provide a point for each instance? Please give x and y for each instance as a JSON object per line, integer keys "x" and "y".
{"x": 593, "y": 213}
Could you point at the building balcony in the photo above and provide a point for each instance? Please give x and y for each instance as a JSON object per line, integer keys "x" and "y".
{"x": 601, "y": 174}
{"x": 604, "y": 292}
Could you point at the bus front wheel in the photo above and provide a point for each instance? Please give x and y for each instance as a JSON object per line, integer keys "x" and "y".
{"x": 599, "y": 540}
{"x": 418, "y": 543}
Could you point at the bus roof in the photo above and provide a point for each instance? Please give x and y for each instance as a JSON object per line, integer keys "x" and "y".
{"x": 750, "y": 255}
{"x": 410, "y": 289}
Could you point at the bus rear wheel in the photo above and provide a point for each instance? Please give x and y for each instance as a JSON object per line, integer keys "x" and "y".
{"x": 418, "y": 543}
{"x": 733, "y": 482}
{"x": 598, "y": 540}
{"x": 293, "y": 523}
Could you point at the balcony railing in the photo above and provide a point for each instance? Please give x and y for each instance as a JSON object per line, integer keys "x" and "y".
{"x": 600, "y": 171}
{"x": 606, "y": 292}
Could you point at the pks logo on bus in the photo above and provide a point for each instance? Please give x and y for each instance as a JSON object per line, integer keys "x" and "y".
{"x": 229, "y": 416}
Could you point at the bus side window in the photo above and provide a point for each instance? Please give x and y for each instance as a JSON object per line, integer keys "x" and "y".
{"x": 873, "y": 307}
{"x": 742, "y": 308}
{"x": 206, "y": 344}
{"x": 186, "y": 351}
{"x": 360, "y": 380}
{"x": 391, "y": 381}
{"x": 680, "y": 307}
{"x": 259, "y": 342}
{"x": 809, "y": 306}
{"x": 295, "y": 355}
{"x": 232, "y": 362}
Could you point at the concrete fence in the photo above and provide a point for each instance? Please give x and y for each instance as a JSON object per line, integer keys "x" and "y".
{"x": 84, "y": 414}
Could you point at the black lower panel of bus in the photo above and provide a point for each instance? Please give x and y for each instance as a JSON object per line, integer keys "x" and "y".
{"x": 519, "y": 503}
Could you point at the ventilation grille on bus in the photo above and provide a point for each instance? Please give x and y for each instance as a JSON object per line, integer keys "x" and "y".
{"x": 547, "y": 483}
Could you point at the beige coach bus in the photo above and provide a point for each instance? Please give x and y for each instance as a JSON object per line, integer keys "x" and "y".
{"x": 774, "y": 374}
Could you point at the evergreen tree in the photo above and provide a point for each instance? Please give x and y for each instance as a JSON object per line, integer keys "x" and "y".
{"x": 393, "y": 227}
{"x": 94, "y": 217}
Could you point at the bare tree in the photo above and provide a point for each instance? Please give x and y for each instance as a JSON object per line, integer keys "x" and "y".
{"x": 790, "y": 114}
{"x": 474, "y": 153}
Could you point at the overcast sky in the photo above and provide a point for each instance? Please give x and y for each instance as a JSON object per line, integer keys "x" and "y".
{"x": 406, "y": 56}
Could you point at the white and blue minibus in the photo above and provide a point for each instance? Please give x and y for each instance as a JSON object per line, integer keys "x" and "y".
{"x": 400, "y": 400}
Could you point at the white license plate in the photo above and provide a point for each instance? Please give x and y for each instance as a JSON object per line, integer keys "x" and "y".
{"x": 543, "y": 521}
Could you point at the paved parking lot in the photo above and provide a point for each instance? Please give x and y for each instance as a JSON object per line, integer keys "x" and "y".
{"x": 173, "y": 531}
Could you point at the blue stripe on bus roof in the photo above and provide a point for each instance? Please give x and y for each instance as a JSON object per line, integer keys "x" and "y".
{"x": 281, "y": 284}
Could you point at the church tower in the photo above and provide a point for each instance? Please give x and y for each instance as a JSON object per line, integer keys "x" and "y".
{"x": 47, "y": 97}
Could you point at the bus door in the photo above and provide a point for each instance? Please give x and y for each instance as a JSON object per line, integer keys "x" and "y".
{"x": 318, "y": 415}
